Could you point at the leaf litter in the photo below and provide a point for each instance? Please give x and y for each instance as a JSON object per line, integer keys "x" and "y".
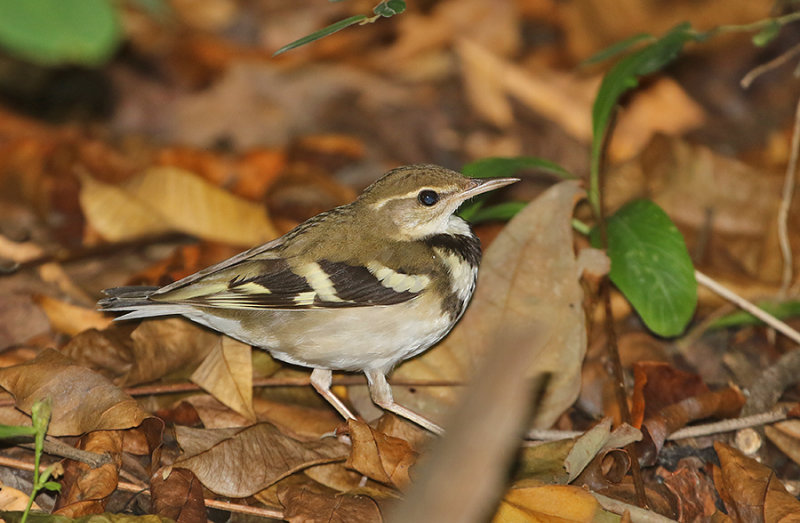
{"x": 236, "y": 131}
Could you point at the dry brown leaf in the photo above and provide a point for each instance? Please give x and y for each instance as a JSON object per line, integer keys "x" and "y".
{"x": 177, "y": 495}
{"x": 20, "y": 320}
{"x": 85, "y": 490}
{"x": 227, "y": 374}
{"x": 19, "y": 251}
{"x": 544, "y": 462}
{"x": 753, "y": 493}
{"x": 590, "y": 26}
{"x": 303, "y": 504}
{"x": 786, "y": 436}
{"x": 722, "y": 403}
{"x": 71, "y": 319}
{"x": 167, "y": 198}
{"x": 163, "y": 346}
{"x": 82, "y": 400}
{"x": 336, "y": 476}
{"x": 13, "y": 499}
{"x": 596, "y": 440}
{"x": 529, "y": 271}
{"x": 378, "y": 456}
{"x": 106, "y": 351}
{"x": 658, "y": 385}
{"x": 493, "y": 25}
{"x": 566, "y": 99}
{"x": 297, "y": 420}
{"x": 212, "y": 413}
{"x": 151, "y": 350}
{"x": 693, "y": 489}
{"x": 240, "y": 462}
{"x": 548, "y": 503}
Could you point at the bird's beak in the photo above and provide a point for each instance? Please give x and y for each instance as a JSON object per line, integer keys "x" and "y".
{"x": 482, "y": 185}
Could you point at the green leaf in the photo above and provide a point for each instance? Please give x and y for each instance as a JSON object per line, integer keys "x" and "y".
{"x": 767, "y": 34}
{"x": 623, "y": 77}
{"x": 53, "y": 486}
{"x": 781, "y": 311}
{"x": 617, "y": 48}
{"x": 390, "y": 8}
{"x": 651, "y": 266}
{"x": 322, "y": 33}
{"x": 13, "y": 431}
{"x": 498, "y": 167}
{"x": 55, "y": 32}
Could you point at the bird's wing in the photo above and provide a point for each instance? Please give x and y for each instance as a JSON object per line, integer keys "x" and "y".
{"x": 261, "y": 282}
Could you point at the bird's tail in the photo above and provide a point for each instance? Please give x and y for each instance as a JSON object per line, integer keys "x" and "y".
{"x": 136, "y": 301}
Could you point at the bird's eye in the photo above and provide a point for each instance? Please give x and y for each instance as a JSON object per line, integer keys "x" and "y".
{"x": 428, "y": 197}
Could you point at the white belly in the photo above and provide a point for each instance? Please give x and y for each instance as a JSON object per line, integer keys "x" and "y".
{"x": 350, "y": 339}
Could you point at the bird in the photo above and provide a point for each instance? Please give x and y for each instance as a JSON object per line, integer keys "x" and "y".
{"x": 358, "y": 288}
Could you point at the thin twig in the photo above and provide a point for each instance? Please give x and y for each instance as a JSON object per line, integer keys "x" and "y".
{"x": 756, "y": 311}
{"x": 62, "y": 450}
{"x": 776, "y": 62}
{"x": 729, "y": 425}
{"x": 176, "y": 388}
{"x": 786, "y": 202}
{"x": 268, "y": 512}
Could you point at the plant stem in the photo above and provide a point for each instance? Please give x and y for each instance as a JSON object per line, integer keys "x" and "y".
{"x": 754, "y": 26}
{"x": 581, "y": 227}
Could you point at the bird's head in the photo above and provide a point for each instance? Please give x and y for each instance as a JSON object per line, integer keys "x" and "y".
{"x": 417, "y": 201}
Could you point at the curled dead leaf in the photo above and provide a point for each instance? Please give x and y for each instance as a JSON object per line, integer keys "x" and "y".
{"x": 378, "y": 456}
{"x": 83, "y": 400}
{"x": 85, "y": 490}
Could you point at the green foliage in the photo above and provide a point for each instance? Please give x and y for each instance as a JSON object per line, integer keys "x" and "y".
{"x": 56, "y": 32}
{"x": 40, "y": 418}
{"x": 617, "y": 48}
{"x": 767, "y": 34}
{"x": 497, "y": 167}
{"x": 651, "y": 266}
{"x": 384, "y": 9}
{"x": 788, "y": 309}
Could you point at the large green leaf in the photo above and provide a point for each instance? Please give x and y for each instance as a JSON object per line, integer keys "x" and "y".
{"x": 651, "y": 266}
{"x": 54, "y": 32}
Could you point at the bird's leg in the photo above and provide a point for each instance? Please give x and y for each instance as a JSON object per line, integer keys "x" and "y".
{"x": 321, "y": 380}
{"x": 381, "y": 394}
